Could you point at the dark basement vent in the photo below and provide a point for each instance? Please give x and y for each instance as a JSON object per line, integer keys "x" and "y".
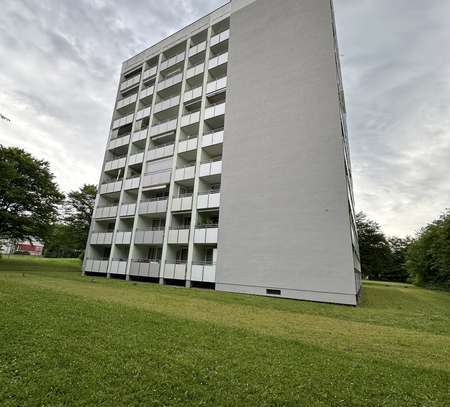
{"x": 270, "y": 291}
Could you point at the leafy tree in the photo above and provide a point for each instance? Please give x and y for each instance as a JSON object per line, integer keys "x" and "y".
{"x": 428, "y": 258}
{"x": 28, "y": 196}
{"x": 399, "y": 248}
{"x": 68, "y": 238}
{"x": 374, "y": 250}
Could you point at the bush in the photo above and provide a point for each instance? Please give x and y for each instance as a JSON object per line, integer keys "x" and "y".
{"x": 21, "y": 253}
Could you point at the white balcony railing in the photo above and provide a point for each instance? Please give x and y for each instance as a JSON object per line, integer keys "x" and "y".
{"x": 178, "y": 236}
{"x": 132, "y": 183}
{"x": 196, "y": 49}
{"x": 211, "y": 139}
{"x": 150, "y": 72}
{"x": 138, "y": 136}
{"x": 182, "y": 203}
{"x": 110, "y": 187}
{"x": 193, "y": 94}
{"x": 210, "y": 168}
{"x": 123, "y": 237}
{"x": 157, "y": 178}
{"x": 147, "y": 92}
{"x": 173, "y": 61}
{"x": 126, "y": 101}
{"x": 215, "y": 110}
{"x": 151, "y": 236}
{"x": 101, "y": 238}
{"x": 104, "y": 212}
{"x": 96, "y": 265}
{"x": 187, "y": 145}
{"x": 130, "y": 82}
{"x": 160, "y": 152}
{"x": 119, "y": 142}
{"x": 203, "y": 273}
{"x": 156, "y": 205}
{"x": 208, "y": 200}
{"x": 136, "y": 159}
{"x": 164, "y": 127}
{"x": 128, "y": 209}
{"x": 217, "y": 61}
{"x": 115, "y": 164}
{"x": 189, "y": 119}
{"x": 223, "y": 36}
{"x": 145, "y": 268}
{"x": 143, "y": 113}
{"x": 175, "y": 271}
{"x": 173, "y": 80}
{"x": 118, "y": 266}
{"x": 216, "y": 85}
{"x": 206, "y": 234}
{"x": 195, "y": 70}
{"x": 185, "y": 173}
{"x": 167, "y": 104}
{"x": 123, "y": 121}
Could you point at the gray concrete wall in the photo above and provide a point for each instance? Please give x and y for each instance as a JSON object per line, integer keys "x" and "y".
{"x": 284, "y": 214}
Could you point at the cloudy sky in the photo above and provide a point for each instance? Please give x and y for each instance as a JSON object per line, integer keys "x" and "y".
{"x": 60, "y": 64}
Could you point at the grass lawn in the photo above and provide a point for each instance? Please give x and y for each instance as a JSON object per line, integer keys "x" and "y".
{"x": 72, "y": 340}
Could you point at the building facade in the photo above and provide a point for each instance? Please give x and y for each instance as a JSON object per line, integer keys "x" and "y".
{"x": 227, "y": 164}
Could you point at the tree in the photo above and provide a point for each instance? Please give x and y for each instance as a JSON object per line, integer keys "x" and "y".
{"x": 428, "y": 258}
{"x": 79, "y": 207}
{"x": 68, "y": 238}
{"x": 28, "y": 196}
{"x": 399, "y": 248}
{"x": 374, "y": 249}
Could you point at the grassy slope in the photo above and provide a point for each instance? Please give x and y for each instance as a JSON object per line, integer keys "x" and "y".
{"x": 65, "y": 339}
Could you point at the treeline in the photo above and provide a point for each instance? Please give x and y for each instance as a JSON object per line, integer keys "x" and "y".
{"x": 33, "y": 208}
{"x": 423, "y": 260}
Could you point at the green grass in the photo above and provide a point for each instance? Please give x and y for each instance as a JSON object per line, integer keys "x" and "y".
{"x": 72, "y": 340}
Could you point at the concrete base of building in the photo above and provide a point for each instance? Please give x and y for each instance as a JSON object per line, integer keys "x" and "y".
{"x": 316, "y": 296}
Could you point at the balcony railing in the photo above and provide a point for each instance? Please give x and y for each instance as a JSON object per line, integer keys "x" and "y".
{"x": 218, "y": 60}
{"x": 223, "y": 36}
{"x": 173, "y": 61}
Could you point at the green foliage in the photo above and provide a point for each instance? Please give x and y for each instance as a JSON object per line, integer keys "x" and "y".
{"x": 148, "y": 344}
{"x": 428, "y": 258}
{"x": 374, "y": 249}
{"x": 28, "y": 196}
{"x": 399, "y": 248}
{"x": 68, "y": 238}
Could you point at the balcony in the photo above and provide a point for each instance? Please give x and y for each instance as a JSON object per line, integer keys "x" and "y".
{"x": 187, "y": 145}
{"x": 208, "y": 200}
{"x": 182, "y": 203}
{"x": 189, "y": 119}
{"x": 171, "y": 81}
{"x": 118, "y": 266}
{"x": 210, "y": 139}
{"x": 216, "y": 85}
{"x": 173, "y": 61}
{"x": 167, "y": 104}
{"x": 102, "y": 238}
{"x": 119, "y": 142}
{"x": 132, "y": 183}
{"x": 203, "y": 272}
{"x": 123, "y": 103}
{"x": 196, "y": 49}
{"x": 166, "y": 150}
{"x": 178, "y": 235}
{"x": 217, "y": 39}
{"x": 116, "y": 163}
{"x": 123, "y": 237}
{"x": 150, "y": 235}
{"x": 218, "y": 61}
{"x": 150, "y": 72}
{"x": 215, "y": 110}
{"x": 157, "y": 178}
{"x": 206, "y": 234}
{"x": 153, "y": 206}
{"x": 136, "y": 159}
{"x": 105, "y": 212}
{"x": 96, "y": 266}
{"x": 139, "y": 136}
{"x": 185, "y": 173}
{"x": 145, "y": 268}
{"x": 128, "y": 209}
{"x": 123, "y": 121}
{"x": 195, "y": 70}
{"x": 146, "y": 93}
{"x": 175, "y": 271}
{"x": 164, "y": 127}
{"x": 128, "y": 84}
{"x": 110, "y": 187}
{"x": 193, "y": 94}
{"x": 211, "y": 168}
{"x": 141, "y": 114}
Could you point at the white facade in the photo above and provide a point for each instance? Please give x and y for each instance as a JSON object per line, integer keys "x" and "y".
{"x": 207, "y": 127}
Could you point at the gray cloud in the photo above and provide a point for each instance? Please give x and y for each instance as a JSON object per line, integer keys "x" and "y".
{"x": 61, "y": 61}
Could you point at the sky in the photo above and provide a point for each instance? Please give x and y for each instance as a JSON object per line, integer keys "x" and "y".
{"x": 60, "y": 65}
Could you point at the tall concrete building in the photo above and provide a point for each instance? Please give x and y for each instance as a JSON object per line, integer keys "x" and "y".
{"x": 227, "y": 164}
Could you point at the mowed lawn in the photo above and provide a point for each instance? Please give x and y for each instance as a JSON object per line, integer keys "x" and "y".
{"x": 72, "y": 340}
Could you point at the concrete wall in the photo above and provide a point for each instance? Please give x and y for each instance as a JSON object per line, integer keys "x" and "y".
{"x": 284, "y": 214}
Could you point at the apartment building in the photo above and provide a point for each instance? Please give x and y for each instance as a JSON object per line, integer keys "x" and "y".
{"x": 227, "y": 164}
